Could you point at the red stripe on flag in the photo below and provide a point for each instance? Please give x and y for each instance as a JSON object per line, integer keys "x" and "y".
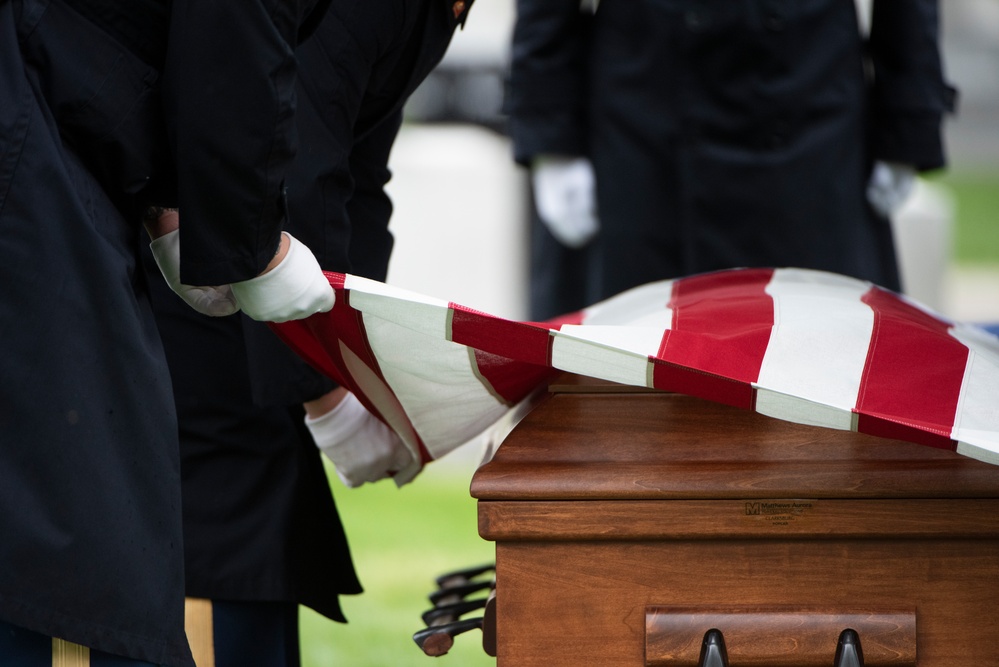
{"x": 522, "y": 341}
{"x": 690, "y": 381}
{"x": 511, "y": 380}
{"x": 562, "y": 320}
{"x": 347, "y": 325}
{"x": 318, "y": 339}
{"x": 337, "y": 280}
{"x": 900, "y": 395}
{"x": 301, "y": 336}
{"x": 721, "y": 323}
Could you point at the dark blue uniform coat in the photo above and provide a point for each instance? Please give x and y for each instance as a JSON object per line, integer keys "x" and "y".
{"x": 90, "y": 521}
{"x": 259, "y": 520}
{"x": 730, "y": 133}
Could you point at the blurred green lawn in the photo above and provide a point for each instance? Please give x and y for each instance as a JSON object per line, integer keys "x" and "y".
{"x": 402, "y": 538}
{"x": 976, "y": 228}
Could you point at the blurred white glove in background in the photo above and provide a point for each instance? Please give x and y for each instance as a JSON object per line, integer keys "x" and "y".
{"x": 565, "y": 195}
{"x": 215, "y": 301}
{"x": 292, "y": 290}
{"x": 890, "y": 185}
{"x": 361, "y": 447}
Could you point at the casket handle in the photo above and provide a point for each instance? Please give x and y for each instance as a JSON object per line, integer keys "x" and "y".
{"x": 779, "y": 637}
{"x": 848, "y": 652}
{"x": 713, "y": 652}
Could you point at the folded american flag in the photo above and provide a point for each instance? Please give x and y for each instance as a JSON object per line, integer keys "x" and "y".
{"x": 799, "y": 345}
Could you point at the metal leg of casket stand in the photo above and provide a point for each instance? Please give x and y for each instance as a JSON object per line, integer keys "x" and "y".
{"x": 465, "y": 576}
{"x": 451, "y": 612}
{"x": 436, "y": 640}
{"x": 458, "y": 593}
{"x": 450, "y": 602}
{"x": 848, "y": 652}
{"x": 444, "y": 624}
{"x": 713, "y": 652}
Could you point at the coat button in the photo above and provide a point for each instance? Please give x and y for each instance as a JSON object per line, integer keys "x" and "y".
{"x": 458, "y": 7}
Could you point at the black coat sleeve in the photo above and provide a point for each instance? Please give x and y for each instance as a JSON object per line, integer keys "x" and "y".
{"x": 910, "y": 96}
{"x": 546, "y": 96}
{"x": 229, "y": 96}
{"x": 370, "y": 208}
{"x": 336, "y": 196}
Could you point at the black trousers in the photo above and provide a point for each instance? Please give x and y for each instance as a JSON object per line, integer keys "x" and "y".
{"x": 243, "y": 634}
{"x": 24, "y": 648}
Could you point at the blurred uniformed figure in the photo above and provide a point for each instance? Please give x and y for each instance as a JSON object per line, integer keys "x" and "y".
{"x": 108, "y": 109}
{"x": 670, "y": 137}
{"x": 261, "y": 531}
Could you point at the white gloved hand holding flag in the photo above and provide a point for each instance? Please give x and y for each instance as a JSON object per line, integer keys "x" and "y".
{"x": 361, "y": 447}
{"x": 216, "y": 301}
{"x": 293, "y": 289}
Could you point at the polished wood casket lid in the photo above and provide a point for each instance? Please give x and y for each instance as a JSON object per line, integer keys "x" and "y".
{"x": 593, "y": 440}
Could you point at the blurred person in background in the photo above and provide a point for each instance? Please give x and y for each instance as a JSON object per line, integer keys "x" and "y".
{"x": 261, "y": 530}
{"x": 109, "y": 108}
{"x": 671, "y": 137}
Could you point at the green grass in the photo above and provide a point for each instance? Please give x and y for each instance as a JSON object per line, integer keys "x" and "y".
{"x": 976, "y": 229}
{"x": 401, "y": 539}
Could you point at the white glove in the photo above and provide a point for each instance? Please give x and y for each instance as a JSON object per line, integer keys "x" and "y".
{"x": 292, "y": 290}
{"x": 361, "y": 447}
{"x": 565, "y": 197}
{"x": 890, "y": 185}
{"x": 215, "y": 301}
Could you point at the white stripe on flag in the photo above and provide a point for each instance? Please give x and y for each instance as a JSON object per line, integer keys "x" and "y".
{"x": 415, "y": 311}
{"x": 977, "y": 418}
{"x": 814, "y": 326}
{"x": 616, "y": 353}
{"x": 646, "y": 306}
{"x": 808, "y": 362}
{"x": 445, "y": 400}
{"x": 380, "y": 394}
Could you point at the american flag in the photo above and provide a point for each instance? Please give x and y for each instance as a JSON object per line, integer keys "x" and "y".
{"x": 799, "y": 345}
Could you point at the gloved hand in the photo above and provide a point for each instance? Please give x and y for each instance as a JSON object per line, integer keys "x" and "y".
{"x": 890, "y": 185}
{"x": 361, "y": 447}
{"x": 292, "y": 290}
{"x": 565, "y": 197}
{"x": 215, "y": 301}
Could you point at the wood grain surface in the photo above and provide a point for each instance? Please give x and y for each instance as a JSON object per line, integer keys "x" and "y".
{"x": 605, "y": 503}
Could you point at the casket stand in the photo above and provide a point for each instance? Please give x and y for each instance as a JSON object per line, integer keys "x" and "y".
{"x": 630, "y": 522}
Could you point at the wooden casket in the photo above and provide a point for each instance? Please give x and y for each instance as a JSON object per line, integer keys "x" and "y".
{"x": 629, "y": 522}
